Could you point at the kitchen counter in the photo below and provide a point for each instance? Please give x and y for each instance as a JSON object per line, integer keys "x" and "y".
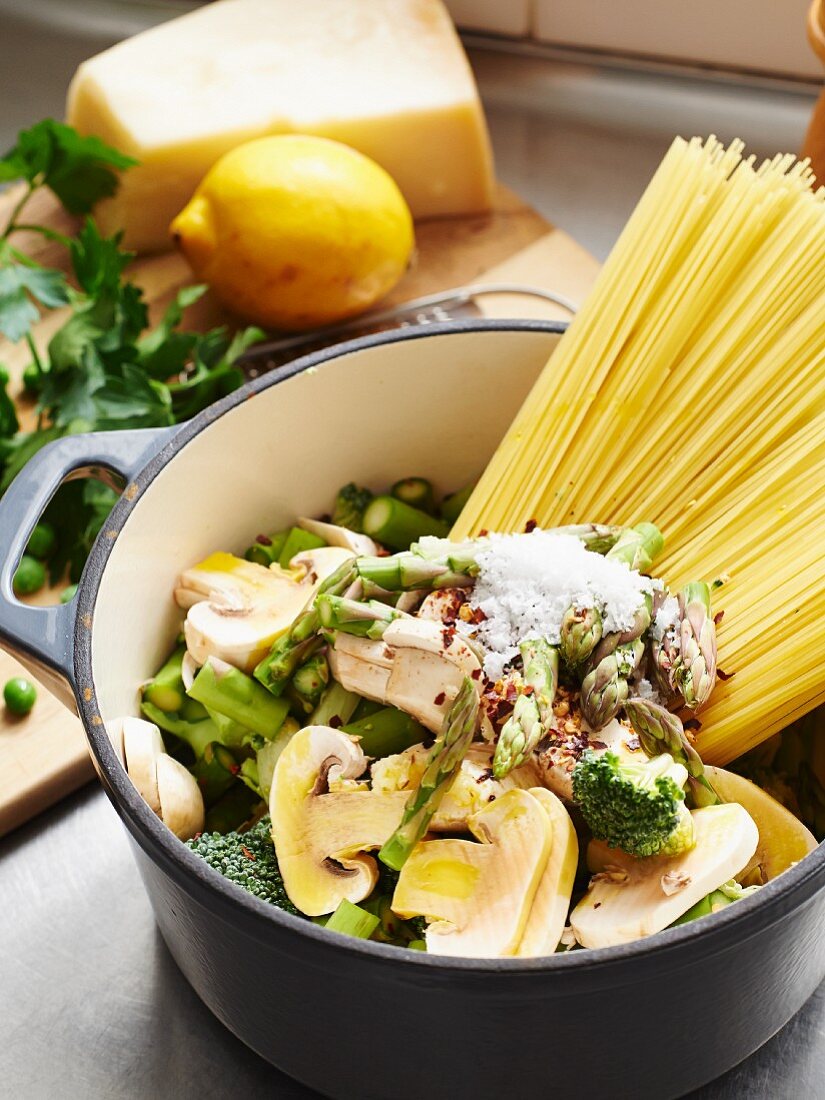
{"x": 92, "y": 1005}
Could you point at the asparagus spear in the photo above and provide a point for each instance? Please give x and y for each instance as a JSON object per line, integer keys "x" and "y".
{"x": 581, "y": 632}
{"x": 309, "y": 682}
{"x": 604, "y": 688}
{"x": 404, "y": 572}
{"x": 386, "y": 732}
{"x": 443, "y": 762}
{"x": 396, "y": 524}
{"x": 451, "y": 506}
{"x": 298, "y": 643}
{"x": 336, "y": 707}
{"x": 694, "y": 672}
{"x": 367, "y": 620}
{"x": 415, "y": 491}
{"x": 266, "y": 549}
{"x": 229, "y": 691}
{"x": 166, "y": 690}
{"x": 350, "y": 504}
{"x": 297, "y": 541}
{"x": 638, "y": 546}
{"x": 215, "y": 771}
{"x": 533, "y": 711}
{"x": 661, "y": 731}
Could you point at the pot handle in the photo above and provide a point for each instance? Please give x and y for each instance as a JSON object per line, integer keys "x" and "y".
{"x": 42, "y": 638}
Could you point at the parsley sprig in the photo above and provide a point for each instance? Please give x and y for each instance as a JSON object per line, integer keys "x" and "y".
{"x": 104, "y": 368}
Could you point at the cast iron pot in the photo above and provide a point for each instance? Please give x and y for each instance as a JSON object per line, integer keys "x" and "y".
{"x": 349, "y": 1018}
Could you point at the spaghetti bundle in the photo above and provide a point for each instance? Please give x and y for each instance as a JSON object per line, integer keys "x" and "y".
{"x": 690, "y": 391}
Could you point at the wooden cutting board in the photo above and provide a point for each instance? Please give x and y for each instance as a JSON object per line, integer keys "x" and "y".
{"x": 44, "y": 757}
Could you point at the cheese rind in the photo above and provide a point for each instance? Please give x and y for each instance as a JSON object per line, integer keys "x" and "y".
{"x": 389, "y": 79}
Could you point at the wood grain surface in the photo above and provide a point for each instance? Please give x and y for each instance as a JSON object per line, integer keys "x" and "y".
{"x": 44, "y": 757}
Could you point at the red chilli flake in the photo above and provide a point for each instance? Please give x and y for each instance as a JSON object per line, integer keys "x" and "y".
{"x": 439, "y": 699}
{"x": 335, "y": 721}
{"x": 717, "y": 618}
{"x": 247, "y": 853}
{"x": 475, "y": 674}
{"x": 530, "y": 525}
{"x": 724, "y": 676}
{"x": 263, "y": 540}
{"x": 482, "y": 532}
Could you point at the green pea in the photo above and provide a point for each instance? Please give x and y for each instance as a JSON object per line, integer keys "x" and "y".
{"x": 19, "y": 695}
{"x": 30, "y": 576}
{"x": 42, "y": 542}
{"x": 68, "y": 594}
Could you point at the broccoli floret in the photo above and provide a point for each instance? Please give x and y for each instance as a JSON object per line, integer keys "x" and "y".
{"x": 638, "y": 807}
{"x": 349, "y": 507}
{"x": 247, "y": 859}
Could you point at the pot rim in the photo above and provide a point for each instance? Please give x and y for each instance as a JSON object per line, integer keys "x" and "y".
{"x": 735, "y": 923}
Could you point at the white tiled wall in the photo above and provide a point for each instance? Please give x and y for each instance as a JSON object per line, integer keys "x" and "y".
{"x": 763, "y": 35}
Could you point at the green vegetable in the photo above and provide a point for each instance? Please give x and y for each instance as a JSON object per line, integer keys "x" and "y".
{"x": 234, "y": 809}
{"x": 532, "y": 715}
{"x": 268, "y": 754}
{"x": 216, "y": 771}
{"x": 443, "y": 761}
{"x": 32, "y": 380}
{"x": 396, "y": 524}
{"x": 309, "y": 681}
{"x": 101, "y": 369}
{"x": 166, "y": 690}
{"x": 415, "y": 491}
{"x": 300, "y": 641}
{"x": 637, "y": 807}
{"x": 29, "y": 577}
{"x": 716, "y": 900}
{"x": 350, "y": 504}
{"x": 694, "y": 672}
{"x": 365, "y": 619}
{"x": 68, "y": 593}
{"x": 453, "y": 505}
{"x": 581, "y": 632}
{"x": 638, "y": 547}
{"x": 661, "y": 731}
{"x": 232, "y": 693}
{"x": 351, "y": 920}
{"x": 42, "y": 542}
{"x": 297, "y": 541}
{"x": 248, "y": 859}
{"x": 335, "y": 708}
{"x": 386, "y": 731}
{"x": 266, "y": 549}
{"x": 19, "y": 695}
{"x": 197, "y": 733}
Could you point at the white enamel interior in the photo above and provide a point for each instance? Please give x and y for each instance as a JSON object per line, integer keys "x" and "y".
{"x": 434, "y": 406}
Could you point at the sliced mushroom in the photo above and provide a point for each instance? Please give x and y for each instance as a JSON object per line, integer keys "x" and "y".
{"x": 478, "y": 896}
{"x": 548, "y": 913}
{"x": 630, "y": 898}
{"x": 142, "y": 745}
{"x": 783, "y": 839}
{"x": 471, "y": 790}
{"x": 334, "y": 535}
{"x": 322, "y": 837}
{"x": 164, "y": 784}
{"x": 417, "y": 666}
{"x": 238, "y": 608}
{"x": 181, "y": 802}
{"x": 314, "y": 566}
{"x": 361, "y": 665}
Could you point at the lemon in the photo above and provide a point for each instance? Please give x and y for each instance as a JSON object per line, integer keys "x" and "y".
{"x": 294, "y": 232}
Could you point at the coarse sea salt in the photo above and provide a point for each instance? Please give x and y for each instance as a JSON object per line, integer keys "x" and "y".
{"x": 527, "y": 582}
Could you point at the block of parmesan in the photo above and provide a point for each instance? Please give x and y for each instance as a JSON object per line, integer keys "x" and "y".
{"x": 390, "y": 79}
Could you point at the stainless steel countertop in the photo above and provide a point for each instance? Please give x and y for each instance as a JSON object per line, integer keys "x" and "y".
{"x": 91, "y": 1004}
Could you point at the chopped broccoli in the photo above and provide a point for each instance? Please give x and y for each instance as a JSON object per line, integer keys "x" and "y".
{"x": 638, "y": 807}
{"x": 248, "y": 859}
{"x": 350, "y": 505}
